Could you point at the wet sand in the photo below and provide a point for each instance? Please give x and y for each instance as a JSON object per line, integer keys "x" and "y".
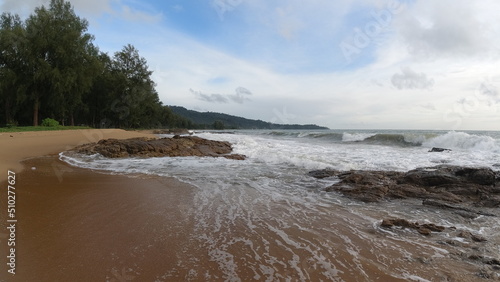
{"x": 78, "y": 225}
{"x": 17, "y": 146}
{"x": 87, "y": 226}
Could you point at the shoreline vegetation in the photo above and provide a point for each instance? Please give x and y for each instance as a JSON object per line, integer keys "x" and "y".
{"x": 50, "y": 68}
{"x": 40, "y": 128}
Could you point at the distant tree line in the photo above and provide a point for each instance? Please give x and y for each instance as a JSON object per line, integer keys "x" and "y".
{"x": 50, "y": 68}
{"x": 211, "y": 120}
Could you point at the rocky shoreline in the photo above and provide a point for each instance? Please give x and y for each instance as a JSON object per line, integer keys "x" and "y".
{"x": 177, "y": 146}
{"x": 455, "y": 187}
{"x": 466, "y": 192}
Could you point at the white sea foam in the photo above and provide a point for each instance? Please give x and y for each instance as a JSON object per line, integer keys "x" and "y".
{"x": 465, "y": 141}
{"x": 352, "y": 137}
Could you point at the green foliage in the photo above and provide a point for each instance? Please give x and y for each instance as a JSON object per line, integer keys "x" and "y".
{"x": 219, "y": 125}
{"x": 209, "y": 120}
{"x": 40, "y": 128}
{"x": 49, "y": 66}
{"x": 11, "y": 39}
{"x": 59, "y": 55}
{"x": 48, "y": 122}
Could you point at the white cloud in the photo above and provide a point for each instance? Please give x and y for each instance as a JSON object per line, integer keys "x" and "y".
{"x": 134, "y": 15}
{"x": 410, "y": 79}
{"x": 89, "y": 8}
{"x": 212, "y": 98}
{"x": 490, "y": 90}
{"x": 450, "y": 28}
{"x": 239, "y": 97}
{"x": 23, "y": 8}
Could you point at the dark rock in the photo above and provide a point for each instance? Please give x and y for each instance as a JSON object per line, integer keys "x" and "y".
{"x": 179, "y": 146}
{"x": 235, "y": 157}
{"x": 388, "y": 223}
{"x": 367, "y": 186}
{"x": 459, "y": 209}
{"x": 435, "y": 149}
{"x": 444, "y": 186}
{"x": 404, "y": 191}
{"x": 468, "y": 235}
{"x": 424, "y": 229}
{"x": 445, "y": 205}
{"x": 460, "y": 189}
{"x": 433, "y": 227}
{"x": 429, "y": 177}
{"x": 492, "y": 261}
{"x": 444, "y": 174}
{"x": 485, "y": 260}
{"x": 323, "y": 173}
{"x": 175, "y": 131}
{"x": 440, "y": 204}
{"x": 466, "y": 214}
{"x": 482, "y": 176}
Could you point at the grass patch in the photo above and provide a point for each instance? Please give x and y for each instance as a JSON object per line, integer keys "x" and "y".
{"x": 40, "y": 128}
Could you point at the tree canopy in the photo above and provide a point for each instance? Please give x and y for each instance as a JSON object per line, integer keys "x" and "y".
{"x": 50, "y": 68}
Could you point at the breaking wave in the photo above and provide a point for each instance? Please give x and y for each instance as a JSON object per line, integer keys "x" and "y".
{"x": 452, "y": 140}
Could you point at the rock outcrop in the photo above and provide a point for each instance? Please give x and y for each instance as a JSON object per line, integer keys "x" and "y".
{"x": 177, "y": 131}
{"x": 464, "y": 193}
{"x": 454, "y": 187}
{"x": 436, "y": 149}
{"x": 424, "y": 229}
{"x": 165, "y": 147}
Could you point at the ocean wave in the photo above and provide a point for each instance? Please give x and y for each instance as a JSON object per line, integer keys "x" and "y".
{"x": 281, "y": 133}
{"x": 388, "y": 139}
{"x": 464, "y": 141}
{"x": 475, "y": 141}
{"x": 332, "y": 136}
{"x": 356, "y": 137}
{"x": 450, "y": 140}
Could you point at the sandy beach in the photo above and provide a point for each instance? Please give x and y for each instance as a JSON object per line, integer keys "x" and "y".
{"x": 78, "y": 225}
{"x": 17, "y": 146}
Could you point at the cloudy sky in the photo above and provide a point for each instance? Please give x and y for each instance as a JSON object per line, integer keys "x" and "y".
{"x": 360, "y": 64}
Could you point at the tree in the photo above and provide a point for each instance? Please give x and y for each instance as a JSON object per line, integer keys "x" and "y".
{"x": 137, "y": 103}
{"x": 11, "y": 40}
{"x": 218, "y": 124}
{"x": 59, "y": 58}
{"x": 99, "y": 98}
{"x": 50, "y": 68}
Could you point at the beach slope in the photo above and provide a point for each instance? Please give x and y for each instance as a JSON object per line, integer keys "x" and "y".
{"x": 18, "y": 146}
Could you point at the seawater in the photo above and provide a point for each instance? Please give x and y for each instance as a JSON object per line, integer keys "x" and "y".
{"x": 265, "y": 219}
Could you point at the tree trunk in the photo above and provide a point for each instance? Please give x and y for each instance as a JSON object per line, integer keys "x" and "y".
{"x": 72, "y": 119}
{"x": 7, "y": 112}
{"x": 35, "y": 112}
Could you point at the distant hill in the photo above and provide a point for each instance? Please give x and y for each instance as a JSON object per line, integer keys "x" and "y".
{"x": 224, "y": 121}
